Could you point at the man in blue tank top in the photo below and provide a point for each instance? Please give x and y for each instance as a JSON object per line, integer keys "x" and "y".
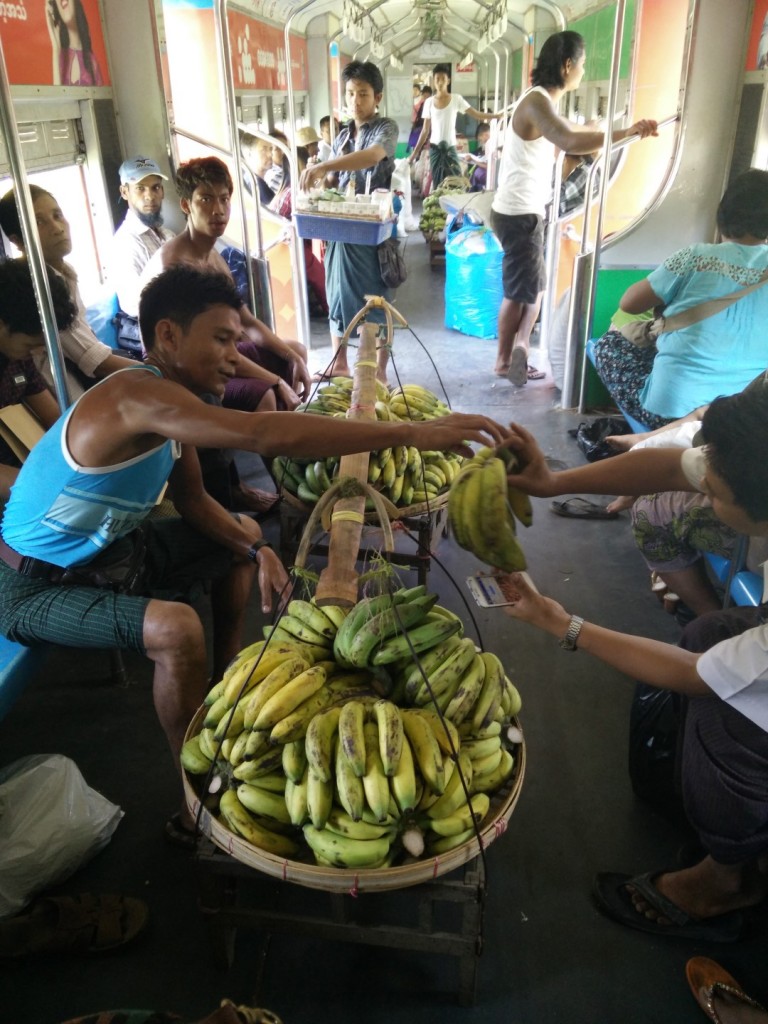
{"x": 95, "y": 476}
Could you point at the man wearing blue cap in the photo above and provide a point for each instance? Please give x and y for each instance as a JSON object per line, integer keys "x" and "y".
{"x": 141, "y": 234}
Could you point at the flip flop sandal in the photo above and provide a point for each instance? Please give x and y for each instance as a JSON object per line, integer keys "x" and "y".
{"x": 581, "y": 508}
{"x": 534, "y": 374}
{"x": 612, "y": 899}
{"x": 518, "y": 368}
{"x": 87, "y": 923}
{"x": 179, "y": 835}
{"x": 707, "y": 975}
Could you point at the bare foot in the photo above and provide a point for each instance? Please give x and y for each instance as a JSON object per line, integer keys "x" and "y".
{"x": 252, "y": 499}
{"x": 501, "y": 369}
{"x": 623, "y": 442}
{"x": 619, "y": 504}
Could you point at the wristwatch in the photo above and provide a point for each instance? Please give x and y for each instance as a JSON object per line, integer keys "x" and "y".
{"x": 569, "y": 641}
{"x": 256, "y": 547}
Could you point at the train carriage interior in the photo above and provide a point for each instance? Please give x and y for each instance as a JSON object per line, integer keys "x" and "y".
{"x": 179, "y": 79}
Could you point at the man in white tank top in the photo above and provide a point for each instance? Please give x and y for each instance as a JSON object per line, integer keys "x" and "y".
{"x": 533, "y": 134}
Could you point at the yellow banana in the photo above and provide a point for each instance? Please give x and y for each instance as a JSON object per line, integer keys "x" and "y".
{"x": 390, "y": 731}
{"x": 249, "y": 672}
{"x": 348, "y": 786}
{"x": 402, "y": 783}
{"x": 426, "y": 750}
{"x": 208, "y": 745}
{"x": 231, "y": 723}
{"x": 289, "y": 697}
{"x": 294, "y": 760}
{"x": 341, "y": 823}
{"x": 447, "y": 843}
{"x": 490, "y": 695}
{"x": 271, "y": 685}
{"x": 486, "y": 764}
{"x": 375, "y": 782}
{"x": 296, "y": 802}
{"x": 318, "y": 743}
{"x": 265, "y": 764}
{"x": 237, "y": 753}
{"x": 313, "y": 617}
{"x": 299, "y": 629}
{"x": 257, "y": 744}
{"x": 345, "y": 852}
{"x": 446, "y": 733}
{"x": 454, "y": 795}
{"x": 488, "y": 782}
{"x": 469, "y": 690}
{"x": 319, "y": 800}
{"x": 351, "y": 735}
{"x": 241, "y": 822}
{"x": 294, "y": 726}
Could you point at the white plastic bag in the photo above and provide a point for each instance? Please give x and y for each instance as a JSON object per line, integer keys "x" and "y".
{"x": 401, "y": 182}
{"x": 51, "y": 823}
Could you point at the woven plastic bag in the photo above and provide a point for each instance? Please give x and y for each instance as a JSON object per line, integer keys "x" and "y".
{"x": 51, "y": 823}
{"x": 473, "y": 288}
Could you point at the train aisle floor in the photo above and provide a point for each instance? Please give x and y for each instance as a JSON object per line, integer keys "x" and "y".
{"x": 547, "y": 954}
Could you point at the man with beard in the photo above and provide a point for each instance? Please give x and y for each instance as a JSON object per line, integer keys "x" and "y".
{"x": 139, "y": 236}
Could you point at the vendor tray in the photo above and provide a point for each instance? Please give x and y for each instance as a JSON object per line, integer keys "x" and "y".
{"x": 315, "y": 876}
{"x": 358, "y": 230}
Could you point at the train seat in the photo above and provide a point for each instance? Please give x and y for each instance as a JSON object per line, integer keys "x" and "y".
{"x": 18, "y": 665}
{"x": 636, "y": 425}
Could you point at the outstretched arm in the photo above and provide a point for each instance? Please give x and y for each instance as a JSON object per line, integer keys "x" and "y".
{"x": 642, "y": 472}
{"x": 651, "y": 661}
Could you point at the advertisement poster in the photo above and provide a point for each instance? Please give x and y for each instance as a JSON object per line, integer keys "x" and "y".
{"x": 757, "y": 51}
{"x": 259, "y": 58}
{"x": 53, "y": 42}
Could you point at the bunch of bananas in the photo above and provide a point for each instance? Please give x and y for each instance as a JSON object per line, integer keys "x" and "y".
{"x": 382, "y": 630}
{"x": 311, "y": 754}
{"x": 403, "y": 474}
{"x": 482, "y": 509}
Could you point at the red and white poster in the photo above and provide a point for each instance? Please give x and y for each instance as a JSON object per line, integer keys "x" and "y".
{"x": 53, "y": 42}
{"x": 757, "y": 51}
{"x": 259, "y": 59}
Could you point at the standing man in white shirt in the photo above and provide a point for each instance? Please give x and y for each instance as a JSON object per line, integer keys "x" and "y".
{"x": 139, "y": 236}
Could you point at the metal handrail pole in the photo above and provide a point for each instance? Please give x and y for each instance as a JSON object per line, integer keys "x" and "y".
{"x": 552, "y": 255}
{"x": 32, "y": 246}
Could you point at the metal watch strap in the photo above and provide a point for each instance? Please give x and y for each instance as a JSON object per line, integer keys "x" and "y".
{"x": 256, "y": 547}
{"x": 569, "y": 641}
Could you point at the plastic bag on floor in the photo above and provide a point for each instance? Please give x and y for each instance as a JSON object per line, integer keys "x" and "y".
{"x": 51, "y": 823}
{"x": 473, "y": 288}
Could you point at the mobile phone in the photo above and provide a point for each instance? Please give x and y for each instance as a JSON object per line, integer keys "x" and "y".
{"x": 487, "y": 591}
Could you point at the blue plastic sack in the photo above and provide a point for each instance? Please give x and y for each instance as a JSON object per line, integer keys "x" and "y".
{"x": 473, "y": 288}
{"x": 101, "y": 318}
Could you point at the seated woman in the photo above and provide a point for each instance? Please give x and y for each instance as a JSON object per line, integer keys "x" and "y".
{"x": 720, "y": 354}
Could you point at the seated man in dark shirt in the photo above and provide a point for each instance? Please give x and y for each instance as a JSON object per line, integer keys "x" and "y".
{"x": 21, "y": 331}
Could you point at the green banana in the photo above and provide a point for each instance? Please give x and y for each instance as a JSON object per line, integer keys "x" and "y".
{"x": 208, "y": 746}
{"x": 450, "y": 671}
{"x": 376, "y": 631}
{"x": 265, "y": 764}
{"x": 420, "y": 638}
{"x": 193, "y": 759}
{"x": 301, "y": 631}
{"x": 341, "y": 823}
{"x": 431, "y": 660}
{"x": 470, "y": 815}
{"x": 313, "y": 617}
{"x": 447, "y": 843}
{"x": 488, "y": 782}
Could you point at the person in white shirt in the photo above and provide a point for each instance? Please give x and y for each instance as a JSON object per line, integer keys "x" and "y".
{"x": 87, "y": 358}
{"x": 439, "y": 113}
{"x": 721, "y": 667}
{"x": 533, "y": 133}
{"x": 141, "y": 234}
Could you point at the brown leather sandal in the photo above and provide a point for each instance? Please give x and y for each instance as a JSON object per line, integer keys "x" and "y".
{"x": 708, "y": 979}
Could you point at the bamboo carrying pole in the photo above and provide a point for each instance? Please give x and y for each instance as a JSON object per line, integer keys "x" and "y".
{"x": 338, "y": 581}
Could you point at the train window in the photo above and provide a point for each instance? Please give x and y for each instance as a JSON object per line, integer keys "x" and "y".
{"x": 68, "y": 186}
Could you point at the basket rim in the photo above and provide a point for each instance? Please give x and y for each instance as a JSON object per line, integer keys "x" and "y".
{"x": 358, "y": 880}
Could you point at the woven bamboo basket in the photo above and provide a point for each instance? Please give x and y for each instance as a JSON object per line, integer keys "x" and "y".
{"x": 313, "y": 876}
